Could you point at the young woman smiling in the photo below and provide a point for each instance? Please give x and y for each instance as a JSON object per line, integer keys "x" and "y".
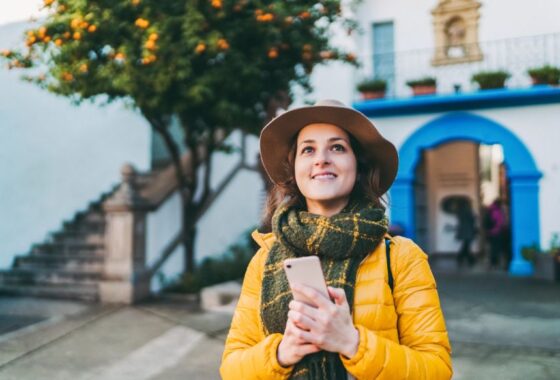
{"x": 330, "y": 166}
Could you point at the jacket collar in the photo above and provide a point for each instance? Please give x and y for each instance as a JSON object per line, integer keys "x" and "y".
{"x": 263, "y": 240}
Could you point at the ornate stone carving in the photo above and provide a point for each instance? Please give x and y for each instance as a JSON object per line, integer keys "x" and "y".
{"x": 456, "y": 32}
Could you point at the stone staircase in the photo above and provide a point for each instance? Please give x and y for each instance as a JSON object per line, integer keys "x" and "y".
{"x": 68, "y": 264}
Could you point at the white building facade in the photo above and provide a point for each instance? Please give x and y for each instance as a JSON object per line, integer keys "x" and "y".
{"x": 462, "y": 141}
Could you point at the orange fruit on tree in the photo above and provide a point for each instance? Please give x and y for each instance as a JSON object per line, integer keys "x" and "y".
{"x": 66, "y": 76}
{"x": 200, "y": 48}
{"x": 150, "y": 44}
{"x": 92, "y": 28}
{"x": 142, "y": 23}
{"x": 77, "y": 36}
{"x": 75, "y": 23}
{"x": 31, "y": 40}
{"x": 223, "y": 44}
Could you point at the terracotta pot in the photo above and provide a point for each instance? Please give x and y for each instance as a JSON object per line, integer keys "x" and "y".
{"x": 373, "y": 95}
{"x": 536, "y": 81}
{"x": 423, "y": 90}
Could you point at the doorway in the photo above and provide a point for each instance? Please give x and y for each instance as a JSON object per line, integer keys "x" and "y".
{"x": 521, "y": 172}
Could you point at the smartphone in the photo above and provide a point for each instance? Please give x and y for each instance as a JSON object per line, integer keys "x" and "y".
{"x": 306, "y": 271}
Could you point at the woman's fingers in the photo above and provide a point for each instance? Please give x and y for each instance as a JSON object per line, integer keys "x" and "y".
{"x": 307, "y": 348}
{"x": 301, "y": 320}
{"x": 309, "y": 311}
{"x": 338, "y": 295}
{"x": 308, "y": 292}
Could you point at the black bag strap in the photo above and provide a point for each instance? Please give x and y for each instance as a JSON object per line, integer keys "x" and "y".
{"x": 389, "y": 272}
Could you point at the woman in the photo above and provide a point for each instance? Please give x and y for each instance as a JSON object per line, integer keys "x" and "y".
{"x": 330, "y": 166}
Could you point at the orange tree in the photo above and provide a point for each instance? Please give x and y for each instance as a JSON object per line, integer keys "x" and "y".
{"x": 210, "y": 64}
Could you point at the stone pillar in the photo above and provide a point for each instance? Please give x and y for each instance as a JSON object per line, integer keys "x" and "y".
{"x": 125, "y": 277}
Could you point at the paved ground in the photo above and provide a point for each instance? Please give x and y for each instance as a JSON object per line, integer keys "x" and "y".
{"x": 501, "y": 328}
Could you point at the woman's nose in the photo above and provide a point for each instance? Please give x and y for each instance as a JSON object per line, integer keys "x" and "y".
{"x": 322, "y": 158}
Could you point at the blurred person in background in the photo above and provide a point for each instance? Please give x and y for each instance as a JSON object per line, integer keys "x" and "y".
{"x": 466, "y": 232}
{"x": 495, "y": 227}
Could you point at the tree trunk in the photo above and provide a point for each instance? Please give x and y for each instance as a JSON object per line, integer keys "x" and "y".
{"x": 186, "y": 186}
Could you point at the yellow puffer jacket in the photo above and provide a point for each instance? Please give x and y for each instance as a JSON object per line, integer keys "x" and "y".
{"x": 402, "y": 335}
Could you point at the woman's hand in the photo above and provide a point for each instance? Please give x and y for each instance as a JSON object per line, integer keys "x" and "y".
{"x": 328, "y": 326}
{"x": 292, "y": 348}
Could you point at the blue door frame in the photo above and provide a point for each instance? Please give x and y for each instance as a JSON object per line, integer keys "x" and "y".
{"x": 522, "y": 173}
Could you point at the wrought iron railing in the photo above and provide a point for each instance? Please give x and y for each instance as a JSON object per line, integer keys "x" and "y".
{"x": 515, "y": 56}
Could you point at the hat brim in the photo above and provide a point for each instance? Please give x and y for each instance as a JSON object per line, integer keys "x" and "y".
{"x": 277, "y": 137}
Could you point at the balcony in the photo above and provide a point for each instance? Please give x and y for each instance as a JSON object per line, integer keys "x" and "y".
{"x": 515, "y": 56}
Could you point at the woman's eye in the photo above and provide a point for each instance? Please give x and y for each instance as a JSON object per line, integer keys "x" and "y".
{"x": 338, "y": 148}
{"x": 307, "y": 149}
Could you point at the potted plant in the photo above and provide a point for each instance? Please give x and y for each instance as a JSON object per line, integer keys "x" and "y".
{"x": 422, "y": 86}
{"x": 490, "y": 79}
{"x": 544, "y": 75}
{"x": 546, "y": 263}
{"x": 372, "y": 88}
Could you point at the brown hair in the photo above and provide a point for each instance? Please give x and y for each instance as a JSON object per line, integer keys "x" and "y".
{"x": 366, "y": 186}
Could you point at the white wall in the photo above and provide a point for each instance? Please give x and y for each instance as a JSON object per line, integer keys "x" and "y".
{"x": 55, "y": 157}
{"x": 538, "y": 127}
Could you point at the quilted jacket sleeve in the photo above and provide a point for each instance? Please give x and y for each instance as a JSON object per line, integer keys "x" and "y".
{"x": 424, "y": 350}
{"x": 248, "y": 354}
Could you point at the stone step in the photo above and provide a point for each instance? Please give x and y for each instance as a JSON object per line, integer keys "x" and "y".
{"x": 82, "y": 227}
{"x": 71, "y": 254}
{"x": 77, "y": 238}
{"x": 90, "y": 216}
{"x": 88, "y": 292}
{"x": 48, "y": 277}
{"x": 68, "y": 249}
{"x": 89, "y": 263}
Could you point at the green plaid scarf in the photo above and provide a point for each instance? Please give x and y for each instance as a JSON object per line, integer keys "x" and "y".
{"x": 341, "y": 241}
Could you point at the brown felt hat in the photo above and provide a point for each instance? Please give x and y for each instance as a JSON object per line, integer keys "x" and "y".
{"x": 278, "y": 135}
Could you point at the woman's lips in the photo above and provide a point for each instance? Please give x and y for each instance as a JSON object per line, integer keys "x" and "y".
{"x": 324, "y": 176}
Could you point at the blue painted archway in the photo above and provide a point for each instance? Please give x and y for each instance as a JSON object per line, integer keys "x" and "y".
{"x": 521, "y": 170}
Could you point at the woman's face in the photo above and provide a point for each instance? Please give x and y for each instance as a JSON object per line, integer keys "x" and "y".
{"x": 325, "y": 167}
